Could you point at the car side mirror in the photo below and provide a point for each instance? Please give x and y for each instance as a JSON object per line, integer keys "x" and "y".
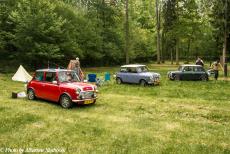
{"x": 54, "y": 82}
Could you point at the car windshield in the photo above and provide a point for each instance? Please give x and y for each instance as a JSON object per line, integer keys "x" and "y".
{"x": 68, "y": 76}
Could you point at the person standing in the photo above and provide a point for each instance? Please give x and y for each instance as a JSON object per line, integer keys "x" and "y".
{"x": 75, "y": 65}
{"x": 216, "y": 67}
{"x": 199, "y": 61}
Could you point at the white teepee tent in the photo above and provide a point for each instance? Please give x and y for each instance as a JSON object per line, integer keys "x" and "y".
{"x": 21, "y": 75}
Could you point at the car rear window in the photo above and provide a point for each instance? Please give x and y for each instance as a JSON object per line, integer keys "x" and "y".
{"x": 39, "y": 76}
{"x": 123, "y": 69}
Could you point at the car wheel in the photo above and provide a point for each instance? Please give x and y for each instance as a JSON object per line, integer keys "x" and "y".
{"x": 31, "y": 94}
{"x": 203, "y": 78}
{"x": 177, "y": 77}
{"x": 143, "y": 83}
{"x": 118, "y": 80}
{"x": 66, "y": 102}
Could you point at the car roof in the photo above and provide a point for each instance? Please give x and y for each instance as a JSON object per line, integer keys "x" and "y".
{"x": 51, "y": 70}
{"x": 191, "y": 65}
{"x": 133, "y": 65}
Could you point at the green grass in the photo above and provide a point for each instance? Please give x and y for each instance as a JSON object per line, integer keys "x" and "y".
{"x": 175, "y": 117}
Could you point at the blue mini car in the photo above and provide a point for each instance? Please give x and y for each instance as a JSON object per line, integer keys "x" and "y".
{"x": 138, "y": 74}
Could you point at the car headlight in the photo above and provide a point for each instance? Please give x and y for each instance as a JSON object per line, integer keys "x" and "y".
{"x": 169, "y": 74}
{"x": 78, "y": 91}
{"x": 151, "y": 77}
{"x": 95, "y": 89}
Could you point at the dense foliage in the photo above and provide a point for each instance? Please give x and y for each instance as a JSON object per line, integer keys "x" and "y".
{"x": 35, "y": 31}
{"x": 192, "y": 25}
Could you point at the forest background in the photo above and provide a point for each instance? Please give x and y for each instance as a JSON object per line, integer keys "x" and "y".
{"x": 112, "y": 32}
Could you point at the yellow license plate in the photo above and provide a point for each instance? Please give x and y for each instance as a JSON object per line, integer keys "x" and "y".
{"x": 88, "y": 101}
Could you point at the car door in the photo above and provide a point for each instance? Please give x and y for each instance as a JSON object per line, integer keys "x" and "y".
{"x": 51, "y": 90}
{"x": 37, "y": 83}
{"x": 198, "y": 72}
{"x": 187, "y": 73}
{"x": 132, "y": 75}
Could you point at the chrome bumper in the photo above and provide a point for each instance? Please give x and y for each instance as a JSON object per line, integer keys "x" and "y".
{"x": 156, "y": 82}
{"x": 82, "y": 100}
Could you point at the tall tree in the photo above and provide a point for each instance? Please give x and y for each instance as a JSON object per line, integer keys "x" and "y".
{"x": 220, "y": 19}
{"x": 225, "y": 33}
{"x": 169, "y": 20}
{"x": 181, "y": 25}
{"x": 127, "y": 31}
{"x": 158, "y": 31}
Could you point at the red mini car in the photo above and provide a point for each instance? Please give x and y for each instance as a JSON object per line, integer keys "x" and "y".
{"x": 61, "y": 85}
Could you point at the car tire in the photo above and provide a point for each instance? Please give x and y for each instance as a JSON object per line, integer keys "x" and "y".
{"x": 118, "y": 81}
{"x": 203, "y": 78}
{"x": 65, "y": 101}
{"x": 143, "y": 83}
{"x": 31, "y": 94}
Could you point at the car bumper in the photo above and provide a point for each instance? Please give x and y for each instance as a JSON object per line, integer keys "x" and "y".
{"x": 170, "y": 76}
{"x": 156, "y": 82}
{"x": 85, "y": 101}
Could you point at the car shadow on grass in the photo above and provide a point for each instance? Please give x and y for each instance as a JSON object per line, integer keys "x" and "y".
{"x": 138, "y": 85}
{"x": 57, "y": 104}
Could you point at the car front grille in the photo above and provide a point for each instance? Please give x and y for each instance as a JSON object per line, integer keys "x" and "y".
{"x": 156, "y": 79}
{"x": 87, "y": 94}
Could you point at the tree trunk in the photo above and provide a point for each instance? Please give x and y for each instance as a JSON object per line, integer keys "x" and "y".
{"x": 171, "y": 56}
{"x": 225, "y": 34}
{"x": 103, "y": 31}
{"x": 162, "y": 47}
{"x": 158, "y": 31}
{"x": 224, "y": 48}
{"x": 188, "y": 50}
{"x": 177, "y": 52}
{"x": 127, "y": 31}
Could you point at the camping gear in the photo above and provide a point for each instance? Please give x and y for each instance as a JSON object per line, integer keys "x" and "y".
{"x": 99, "y": 82}
{"x": 14, "y": 95}
{"x": 107, "y": 76}
{"x": 21, "y": 75}
{"x": 75, "y": 65}
{"x": 92, "y": 77}
{"x": 18, "y": 95}
{"x": 21, "y": 94}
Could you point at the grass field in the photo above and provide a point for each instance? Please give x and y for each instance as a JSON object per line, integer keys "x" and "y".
{"x": 175, "y": 117}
